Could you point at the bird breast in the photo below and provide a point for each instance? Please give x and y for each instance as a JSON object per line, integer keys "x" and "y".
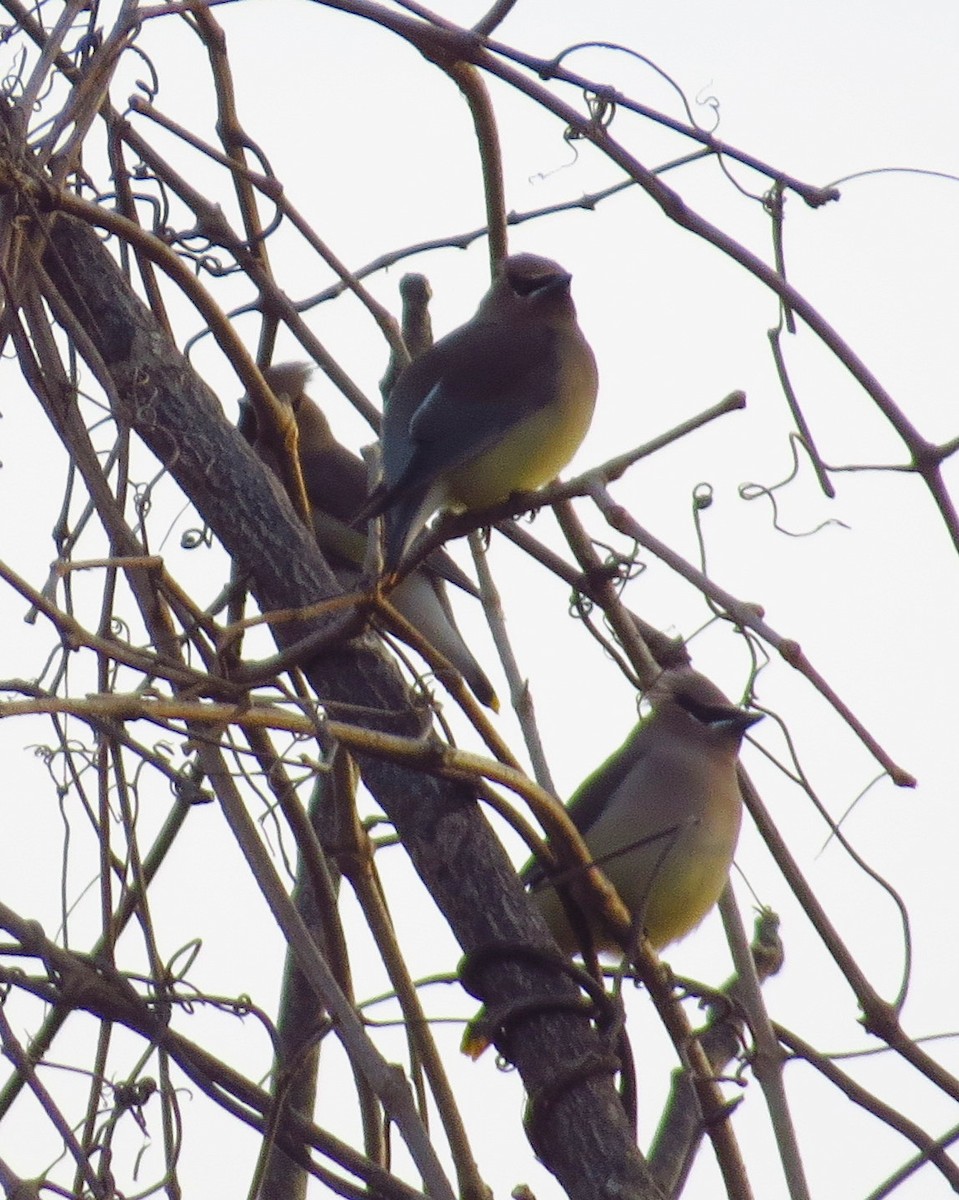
{"x": 534, "y": 454}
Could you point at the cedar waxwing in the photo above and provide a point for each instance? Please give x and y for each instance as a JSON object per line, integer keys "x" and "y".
{"x": 661, "y": 816}
{"x": 498, "y": 406}
{"x": 335, "y": 481}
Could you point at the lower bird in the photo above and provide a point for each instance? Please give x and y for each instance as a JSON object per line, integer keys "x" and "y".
{"x": 335, "y": 481}
{"x": 660, "y": 817}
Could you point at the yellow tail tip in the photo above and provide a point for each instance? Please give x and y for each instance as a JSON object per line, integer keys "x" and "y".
{"x": 475, "y": 1041}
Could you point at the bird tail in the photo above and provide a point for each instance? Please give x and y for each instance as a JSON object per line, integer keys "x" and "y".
{"x": 421, "y": 599}
{"x": 403, "y": 517}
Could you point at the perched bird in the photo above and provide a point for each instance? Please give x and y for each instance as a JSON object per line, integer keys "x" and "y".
{"x": 498, "y": 406}
{"x": 335, "y": 481}
{"x": 661, "y": 816}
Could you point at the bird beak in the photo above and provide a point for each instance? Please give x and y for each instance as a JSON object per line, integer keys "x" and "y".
{"x": 559, "y": 283}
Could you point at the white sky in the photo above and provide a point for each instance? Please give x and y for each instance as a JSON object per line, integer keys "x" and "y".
{"x": 375, "y": 149}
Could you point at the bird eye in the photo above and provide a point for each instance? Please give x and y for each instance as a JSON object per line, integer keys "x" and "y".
{"x": 715, "y": 716}
{"x": 707, "y": 714}
{"x": 544, "y": 283}
{"x": 525, "y": 285}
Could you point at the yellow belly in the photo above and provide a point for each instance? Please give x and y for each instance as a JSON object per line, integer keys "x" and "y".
{"x": 683, "y": 897}
{"x": 668, "y": 882}
{"x": 678, "y": 901}
{"x": 531, "y": 455}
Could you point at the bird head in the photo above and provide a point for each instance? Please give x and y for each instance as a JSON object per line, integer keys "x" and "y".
{"x": 527, "y": 284}
{"x": 690, "y": 701}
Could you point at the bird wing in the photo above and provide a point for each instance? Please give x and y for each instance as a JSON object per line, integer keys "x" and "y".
{"x": 594, "y": 793}
{"x": 336, "y": 487}
{"x": 421, "y": 599}
{"x": 335, "y": 479}
{"x": 453, "y": 404}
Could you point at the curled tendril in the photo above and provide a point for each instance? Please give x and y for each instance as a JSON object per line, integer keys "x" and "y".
{"x": 702, "y": 499}
{"x": 43, "y": 752}
{"x": 181, "y": 961}
{"x": 602, "y": 108}
{"x": 192, "y": 242}
{"x": 620, "y": 568}
{"x": 132, "y": 1097}
{"x": 87, "y": 45}
{"x": 192, "y": 539}
{"x": 756, "y": 491}
{"x": 13, "y": 80}
{"x": 210, "y": 264}
{"x": 152, "y": 89}
{"x": 161, "y": 204}
{"x": 42, "y": 95}
{"x": 774, "y": 201}
{"x": 138, "y": 198}
{"x": 143, "y": 500}
{"x": 709, "y": 101}
{"x": 51, "y": 756}
{"x": 252, "y": 243}
{"x": 568, "y": 136}
{"x": 119, "y": 628}
{"x": 581, "y": 607}
{"x": 856, "y": 175}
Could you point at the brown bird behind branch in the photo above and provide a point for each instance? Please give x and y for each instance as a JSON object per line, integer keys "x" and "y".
{"x": 335, "y": 481}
